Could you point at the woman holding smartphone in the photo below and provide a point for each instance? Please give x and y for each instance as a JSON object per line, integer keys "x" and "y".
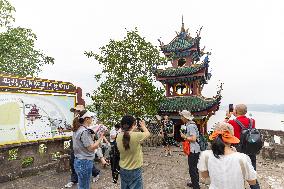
{"x": 131, "y": 156}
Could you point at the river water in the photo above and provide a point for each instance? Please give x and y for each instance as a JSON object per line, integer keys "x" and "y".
{"x": 264, "y": 120}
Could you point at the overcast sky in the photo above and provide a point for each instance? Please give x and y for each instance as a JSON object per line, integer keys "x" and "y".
{"x": 245, "y": 37}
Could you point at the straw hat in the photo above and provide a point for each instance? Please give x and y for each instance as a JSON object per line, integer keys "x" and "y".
{"x": 186, "y": 114}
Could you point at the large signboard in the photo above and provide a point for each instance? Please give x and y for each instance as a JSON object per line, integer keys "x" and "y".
{"x": 32, "y": 117}
{"x": 35, "y": 84}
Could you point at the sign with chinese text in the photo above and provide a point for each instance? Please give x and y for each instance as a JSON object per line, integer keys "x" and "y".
{"x": 36, "y": 84}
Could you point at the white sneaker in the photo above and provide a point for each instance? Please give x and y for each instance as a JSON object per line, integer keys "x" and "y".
{"x": 95, "y": 179}
{"x": 69, "y": 184}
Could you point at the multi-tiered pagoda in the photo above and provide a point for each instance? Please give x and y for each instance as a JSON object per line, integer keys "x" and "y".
{"x": 184, "y": 81}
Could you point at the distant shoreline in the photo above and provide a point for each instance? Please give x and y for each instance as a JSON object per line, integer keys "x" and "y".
{"x": 262, "y": 108}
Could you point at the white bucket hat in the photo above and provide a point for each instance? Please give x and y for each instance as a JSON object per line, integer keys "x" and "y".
{"x": 88, "y": 114}
{"x": 186, "y": 114}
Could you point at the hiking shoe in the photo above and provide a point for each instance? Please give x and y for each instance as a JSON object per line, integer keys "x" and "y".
{"x": 69, "y": 184}
{"x": 189, "y": 184}
{"x": 95, "y": 179}
{"x": 114, "y": 181}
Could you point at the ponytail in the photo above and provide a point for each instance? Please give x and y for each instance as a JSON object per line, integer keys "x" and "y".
{"x": 218, "y": 146}
{"x": 127, "y": 122}
{"x": 126, "y": 138}
{"x": 78, "y": 121}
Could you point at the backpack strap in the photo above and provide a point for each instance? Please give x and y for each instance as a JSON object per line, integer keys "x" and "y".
{"x": 82, "y": 134}
{"x": 88, "y": 130}
{"x": 240, "y": 124}
{"x": 250, "y": 124}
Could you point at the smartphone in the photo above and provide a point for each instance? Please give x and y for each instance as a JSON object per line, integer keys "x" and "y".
{"x": 138, "y": 122}
{"x": 231, "y": 107}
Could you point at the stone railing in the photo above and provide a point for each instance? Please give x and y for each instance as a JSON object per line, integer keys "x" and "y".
{"x": 273, "y": 144}
{"x": 20, "y": 160}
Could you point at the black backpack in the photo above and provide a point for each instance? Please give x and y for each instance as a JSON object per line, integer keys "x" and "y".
{"x": 250, "y": 140}
{"x": 202, "y": 141}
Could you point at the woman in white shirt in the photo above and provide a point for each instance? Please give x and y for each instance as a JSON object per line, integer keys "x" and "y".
{"x": 226, "y": 167}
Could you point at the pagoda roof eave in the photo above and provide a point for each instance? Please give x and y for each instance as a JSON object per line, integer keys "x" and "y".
{"x": 198, "y": 105}
{"x": 184, "y": 79}
{"x": 200, "y": 73}
{"x": 183, "y": 71}
{"x": 180, "y": 43}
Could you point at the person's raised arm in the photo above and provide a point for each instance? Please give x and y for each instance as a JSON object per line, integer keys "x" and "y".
{"x": 95, "y": 145}
{"x": 228, "y": 116}
{"x": 106, "y": 141}
{"x": 144, "y": 128}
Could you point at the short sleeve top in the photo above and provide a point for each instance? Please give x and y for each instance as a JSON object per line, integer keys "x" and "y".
{"x": 82, "y": 139}
{"x": 132, "y": 158}
{"x": 229, "y": 171}
{"x": 192, "y": 130}
{"x": 168, "y": 127}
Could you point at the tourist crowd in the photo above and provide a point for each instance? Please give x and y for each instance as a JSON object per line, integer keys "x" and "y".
{"x": 224, "y": 164}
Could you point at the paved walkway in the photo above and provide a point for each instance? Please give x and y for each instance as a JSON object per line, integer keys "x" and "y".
{"x": 158, "y": 172}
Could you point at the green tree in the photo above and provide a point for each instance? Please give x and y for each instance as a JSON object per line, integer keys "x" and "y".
{"x": 18, "y": 55}
{"x": 127, "y": 84}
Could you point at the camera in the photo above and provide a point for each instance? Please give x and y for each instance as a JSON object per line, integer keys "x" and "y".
{"x": 138, "y": 122}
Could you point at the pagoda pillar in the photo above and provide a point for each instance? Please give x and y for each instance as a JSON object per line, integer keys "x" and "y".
{"x": 167, "y": 89}
{"x": 194, "y": 89}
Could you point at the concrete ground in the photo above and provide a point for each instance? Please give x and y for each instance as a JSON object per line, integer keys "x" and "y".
{"x": 158, "y": 172}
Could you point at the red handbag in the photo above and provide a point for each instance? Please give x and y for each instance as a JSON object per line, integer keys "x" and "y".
{"x": 186, "y": 147}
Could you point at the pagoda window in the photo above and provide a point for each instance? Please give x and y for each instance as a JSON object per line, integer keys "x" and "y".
{"x": 181, "y": 62}
{"x": 191, "y": 88}
{"x": 171, "y": 90}
{"x": 181, "y": 89}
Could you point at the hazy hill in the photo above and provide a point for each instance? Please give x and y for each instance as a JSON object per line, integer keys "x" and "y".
{"x": 275, "y": 108}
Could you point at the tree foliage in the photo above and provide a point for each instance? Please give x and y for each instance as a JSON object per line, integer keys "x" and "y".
{"x": 127, "y": 87}
{"x": 18, "y": 55}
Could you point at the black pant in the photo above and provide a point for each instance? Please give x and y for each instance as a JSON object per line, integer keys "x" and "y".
{"x": 114, "y": 161}
{"x": 74, "y": 177}
{"x": 193, "y": 171}
{"x": 253, "y": 162}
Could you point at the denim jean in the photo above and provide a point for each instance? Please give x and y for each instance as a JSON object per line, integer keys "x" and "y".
{"x": 131, "y": 179}
{"x": 83, "y": 168}
{"x": 74, "y": 177}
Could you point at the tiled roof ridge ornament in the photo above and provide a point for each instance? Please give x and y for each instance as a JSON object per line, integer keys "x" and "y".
{"x": 220, "y": 89}
{"x": 182, "y": 25}
{"x": 198, "y": 32}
